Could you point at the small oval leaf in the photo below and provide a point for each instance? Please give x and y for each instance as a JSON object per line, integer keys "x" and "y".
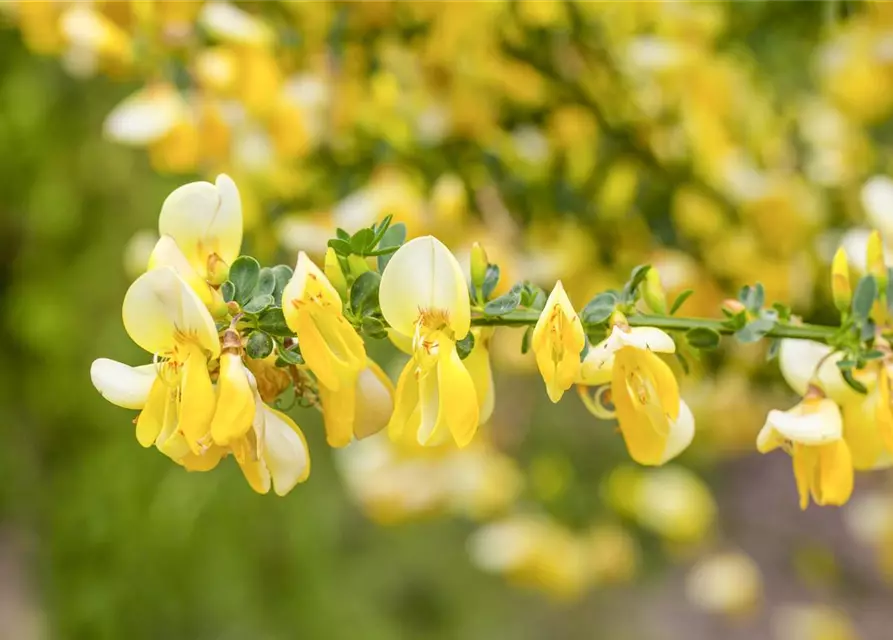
{"x": 259, "y": 345}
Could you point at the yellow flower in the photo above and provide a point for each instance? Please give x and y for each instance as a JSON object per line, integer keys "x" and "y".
{"x": 868, "y": 430}
{"x": 423, "y": 295}
{"x": 273, "y": 451}
{"x": 656, "y": 424}
{"x": 235, "y": 399}
{"x": 557, "y": 341}
{"x": 205, "y": 220}
{"x": 373, "y": 405}
{"x": 165, "y": 317}
{"x": 812, "y": 433}
{"x": 331, "y": 347}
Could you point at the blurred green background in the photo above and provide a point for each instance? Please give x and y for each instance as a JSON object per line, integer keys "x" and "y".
{"x": 102, "y": 539}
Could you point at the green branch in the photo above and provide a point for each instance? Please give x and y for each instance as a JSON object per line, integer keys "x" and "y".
{"x": 521, "y": 318}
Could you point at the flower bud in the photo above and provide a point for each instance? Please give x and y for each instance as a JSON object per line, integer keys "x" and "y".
{"x": 357, "y": 265}
{"x": 841, "y": 289}
{"x": 733, "y": 306}
{"x": 218, "y": 270}
{"x": 874, "y": 262}
{"x": 479, "y": 264}
{"x": 332, "y": 269}
{"x": 653, "y": 292}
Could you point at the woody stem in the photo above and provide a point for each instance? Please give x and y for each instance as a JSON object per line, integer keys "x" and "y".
{"x": 522, "y": 318}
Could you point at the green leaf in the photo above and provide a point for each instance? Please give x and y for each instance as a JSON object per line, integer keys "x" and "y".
{"x": 380, "y": 231}
{"x": 364, "y": 292}
{"x": 525, "y": 340}
{"x": 752, "y": 297}
{"x": 259, "y": 345}
{"x": 228, "y": 291}
{"x": 783, "y": 311}
{"x": 283, "y": 274}
{"x": 491, "y": 279}
{"x": 683, "y": 362}
{"x": 874, "y": 354}
{"x": 680, "y": 300}
{"x": 258, "y": 304}
{"x": 863, "y": 298}
{"x": 636, "y": 278}
{"x": 244, "y": 273}
{"x": 382, "y": 252}
{"x": 703, "y": 338}
{"x": 465, "y": 345}
{"x": 393, "y": 237}
{"x": 890, "y": 289}
{"x": 266, "y": 283}
{"x": 868, "y": 331}
{"x": 272, "y": 320}
{"x": 341, "y": 234}
{"x": 341, "y": 247}
{"x": 360, "y": 241}
{"x": 289, "y": 356}
{"x": 503, "y": 304}
{"x": 755, "y": 330}
{"x": 854, "y": 384}
{"x": 599, "y": 308}
{"x": 374, "y": 327}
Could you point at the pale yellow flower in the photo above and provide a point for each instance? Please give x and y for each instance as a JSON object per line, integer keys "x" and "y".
{"x": 424, "y": 296}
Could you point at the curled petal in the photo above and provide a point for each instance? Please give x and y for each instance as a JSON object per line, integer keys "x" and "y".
{"x": 812, "y": 422}
{"x": 834, "y": 484}
{"x": 424, "y": 276}
{"x": 285, "y": 451}
{"x": 121, "y": 384}
{"x": 682, "y": 432}
{"x": 161, "y": 309}
{"x": 375, "y": 401}
{"x": 478, "y": 365}
{"x": 167, "y": 254}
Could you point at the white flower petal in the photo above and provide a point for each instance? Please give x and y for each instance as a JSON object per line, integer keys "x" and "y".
{"x": 204, "y": 218}
{"x": 877, "y": 200}
{"x": 798, "y": 360}
{"x": 682, "y": 432}
{"x": 160, "y": 308}
{"x": 122, "y": 384}
{"x": 145, "y": 116}
{"x": 375, "y": 401}
{"x": 819, "y": 424}
{"x": 285, "y": 451}
{"x": 646, "y": 338}
{"x": 424, "y": 275}
{"x": 230, "y": 24}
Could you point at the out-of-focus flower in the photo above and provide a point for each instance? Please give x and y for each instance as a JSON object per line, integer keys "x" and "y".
{"x": 728, "y": 583}
{"x": 394, "y": 482}
{"x": 812, "y": 622}
{"x": 671, "y": 501}
{"x": 533, "y": 552}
